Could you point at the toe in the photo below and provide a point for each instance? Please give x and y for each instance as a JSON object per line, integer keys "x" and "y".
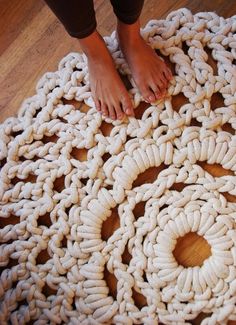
{"x": 127, "y": 105}
{"x": 97, "y": 104}
{"x": 160, "y": 85}
{"x": 156, "y": 90}
{"x": 112, "y": 113}
{"x": 118, "y": 111}
{"x": 148, "y": 94}
{"x": 104, "y": 109}
{"x": 162, "y": 81}
{"x": 168, "y": 74}
{"x": 163, "y": 84}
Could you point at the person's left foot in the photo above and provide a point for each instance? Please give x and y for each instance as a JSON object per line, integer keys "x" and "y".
{"x": 149, "y": 71}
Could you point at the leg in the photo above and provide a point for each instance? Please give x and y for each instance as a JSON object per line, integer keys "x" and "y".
{"x": 77, "y": 16}
{"x": 108, "y": 91}
{"x": 149, "y": 71}
{"x": 127, "y": 11}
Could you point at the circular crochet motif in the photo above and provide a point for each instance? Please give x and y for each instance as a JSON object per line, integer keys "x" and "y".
{"x": 53, "y": 256}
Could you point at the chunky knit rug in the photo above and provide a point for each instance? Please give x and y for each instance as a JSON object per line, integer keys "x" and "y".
{"x": 37, "y": 150}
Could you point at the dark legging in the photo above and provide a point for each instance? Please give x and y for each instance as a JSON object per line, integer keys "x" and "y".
{"x": 78, "y": 16}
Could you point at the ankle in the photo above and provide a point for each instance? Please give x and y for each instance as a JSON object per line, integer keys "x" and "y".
{"x": 129, "y": 33}
{"x": 94, "y": 46}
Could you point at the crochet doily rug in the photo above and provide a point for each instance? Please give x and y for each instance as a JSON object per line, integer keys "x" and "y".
{"x": 54, "y": 205}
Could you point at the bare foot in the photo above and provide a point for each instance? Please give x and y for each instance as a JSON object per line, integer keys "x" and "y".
{"x": 150, "y": 73}
{"x": 109, "y": 93}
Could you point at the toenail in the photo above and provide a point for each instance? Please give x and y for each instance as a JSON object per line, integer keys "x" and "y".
{"x": 151, "y": 98}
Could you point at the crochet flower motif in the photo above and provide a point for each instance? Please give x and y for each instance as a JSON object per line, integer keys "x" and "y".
{"x": 53, "y": 205}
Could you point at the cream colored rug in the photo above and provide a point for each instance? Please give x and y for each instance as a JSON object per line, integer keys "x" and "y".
{"x": 37, "y": 151}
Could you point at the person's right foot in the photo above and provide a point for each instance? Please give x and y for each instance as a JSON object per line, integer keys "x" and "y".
{"x": 108, "y": 91}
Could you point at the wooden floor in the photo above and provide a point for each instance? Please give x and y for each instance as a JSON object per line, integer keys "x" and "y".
{"x": 32, "y": 41}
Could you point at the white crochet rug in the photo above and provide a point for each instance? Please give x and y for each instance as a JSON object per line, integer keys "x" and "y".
{"x": 37, "y": 149}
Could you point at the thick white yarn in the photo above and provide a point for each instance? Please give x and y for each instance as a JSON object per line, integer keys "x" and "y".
{"x": 174, "y": 294}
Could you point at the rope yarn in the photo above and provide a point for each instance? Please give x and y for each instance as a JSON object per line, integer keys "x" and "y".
{"x": 77, "y": 254}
